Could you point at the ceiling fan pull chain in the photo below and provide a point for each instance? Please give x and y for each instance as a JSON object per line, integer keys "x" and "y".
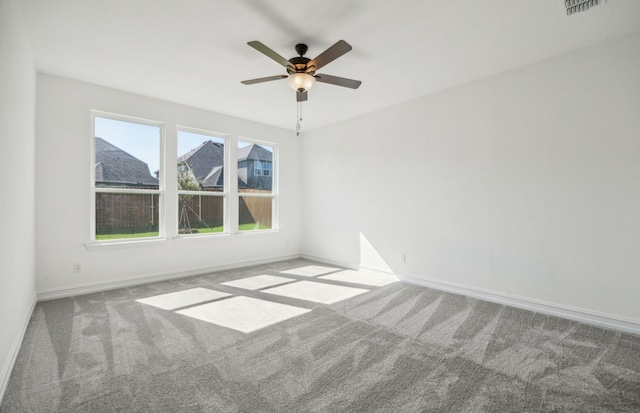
{"x": 298, "y": 119}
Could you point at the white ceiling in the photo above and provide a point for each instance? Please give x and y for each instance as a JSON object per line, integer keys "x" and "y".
{"x": 195, "y": 52}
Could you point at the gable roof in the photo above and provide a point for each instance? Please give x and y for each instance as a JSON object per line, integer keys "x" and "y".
{"x": 206, "y": 163}
{"x": 115, "y": 166}
{"x": 254, "y": 152}
{"x": 215, "y": 178}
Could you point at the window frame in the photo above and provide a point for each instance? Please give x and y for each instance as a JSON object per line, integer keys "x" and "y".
{"x": 224, "y": 194}
{"x": 168, "y": 192}
{"x": 96, "y": 190}
{"x": 257, "y": 167}
{"x": 274, "y": 195}
{"x": 267, "y": 169}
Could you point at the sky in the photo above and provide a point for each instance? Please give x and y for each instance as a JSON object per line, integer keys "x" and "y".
{"x": 143, "y": 141}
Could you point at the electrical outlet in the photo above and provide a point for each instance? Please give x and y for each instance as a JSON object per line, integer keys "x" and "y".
{"x": 403, "y": 257}
{"x": 77, "y": 267}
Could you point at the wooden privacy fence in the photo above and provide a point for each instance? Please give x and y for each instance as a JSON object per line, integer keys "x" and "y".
{"x": 256, "y": 210}
{"x": 126, "y": 213}
{"x": 198, "y": 211}
{"x": 138, "y": 213}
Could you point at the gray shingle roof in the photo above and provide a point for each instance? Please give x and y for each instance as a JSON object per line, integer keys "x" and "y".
{"x": 246, "y": 172}
{"x": 254, "y": 152}
{"x": 215, "y": 178}
{"x": 206, "y": 163}
{"x": 115, "y": 166}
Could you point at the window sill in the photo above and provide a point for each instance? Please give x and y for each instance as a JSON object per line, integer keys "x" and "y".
{"x": 255, "y": 232}
{"x": 124, "y": 244}
{"x": 199, "y": 237}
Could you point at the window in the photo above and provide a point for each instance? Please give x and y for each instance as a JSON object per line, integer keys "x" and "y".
{"x": 257, "y": 168}
{"x": 133, "y": 194}
{"x": 127, "y": 186}
{"x": 201, "y": 188}
{"x": 256, "y": 191}
{"x": 266, "y": 168}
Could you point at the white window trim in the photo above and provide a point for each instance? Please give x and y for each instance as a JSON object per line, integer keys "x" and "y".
{"x": 274, "y": 195}
{"x": 93, "y": 190}
{"x": 231, "y": 195}
{"x": 125, "y": 243}
{"x": 228, "y": 141}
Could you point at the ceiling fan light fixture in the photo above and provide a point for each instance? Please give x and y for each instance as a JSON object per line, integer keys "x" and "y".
{"x": 301, "y": 81}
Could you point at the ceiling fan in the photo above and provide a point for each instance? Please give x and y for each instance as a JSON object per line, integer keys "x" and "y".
{"x": 302, "y": 70}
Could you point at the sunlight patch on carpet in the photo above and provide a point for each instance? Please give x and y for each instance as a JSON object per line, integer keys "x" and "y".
{"x": 310, "y": 270}
{"x": 183, "y": 298}
{"x": 243, "y": 314}
{"x": 316, "y": 292}
{"x": 258, "y": 282}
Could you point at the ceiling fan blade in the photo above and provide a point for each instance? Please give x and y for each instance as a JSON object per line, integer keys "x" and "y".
{"x": 301, "y": 96}
{"x": 263, "y": 79}
{"x": 269, "y": 53}
{"x": 338, "y": 81}
{"x": 329, "y": 55}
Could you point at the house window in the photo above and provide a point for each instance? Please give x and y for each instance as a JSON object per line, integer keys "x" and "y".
{"x": 131, "y": 165}
{"x": 257, "y": 168}
{"x": 266, "y": 168}
{"x": 256, "y": 191}
{"x": 201, "y": 184}
{"x": 127, "y": 178}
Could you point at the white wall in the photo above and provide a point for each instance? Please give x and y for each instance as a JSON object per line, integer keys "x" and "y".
{"x": 63, "y": 193}
{"x": 523, "y": 186}
{"x": 17, "y": 140}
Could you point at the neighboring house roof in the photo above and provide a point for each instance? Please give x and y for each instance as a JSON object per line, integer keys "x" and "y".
{"x": 206, "y": 163}
{"x": 115, "y": 166}
{"x": 246, "y": 155}
{"x": 215, "y": 177}
{"x": 254, "y": 152}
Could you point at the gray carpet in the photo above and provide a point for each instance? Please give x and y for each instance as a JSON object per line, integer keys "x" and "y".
{"x": 397, "y": 348}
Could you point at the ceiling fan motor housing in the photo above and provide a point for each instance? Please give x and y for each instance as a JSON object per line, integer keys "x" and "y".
{"x": 300, "y": 62}
{"x": 300, "y": 65}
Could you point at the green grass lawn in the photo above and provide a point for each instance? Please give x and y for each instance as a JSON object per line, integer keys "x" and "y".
{"x": 251, "y": 227}
{"x": 123, "y": 236}
{"x": 243, "y": 227}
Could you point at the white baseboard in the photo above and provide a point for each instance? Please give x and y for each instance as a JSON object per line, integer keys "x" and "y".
{"x": 558, "y": 310}
{"x": 603, "y": 320}
{"x": 10, "y": 361}
{"x": 88, "y": 288}
{"x": 327, "y": 261}
{"x": 376, "y": 270}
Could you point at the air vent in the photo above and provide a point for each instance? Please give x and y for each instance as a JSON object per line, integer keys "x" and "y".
{"x": 576, "y": 6}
